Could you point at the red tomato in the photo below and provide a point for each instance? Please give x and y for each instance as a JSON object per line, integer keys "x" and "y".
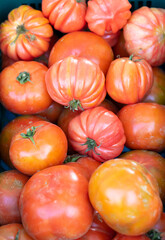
{"x": 38, "y": 146}
{"x": 65, "y": 15}
{"x": 144, "y": 34}
{"x": 54, "y": 204}
{"x": 107, "y": 15}
{"x": 124, "y": 237}
{"x": 83, "y": 44}
{"x": 129, "y": 80}
{"x": 11, "y": 185}
{"x": 23, "y": 89}
{"x": 144, "y": 125}
{"x": 30, "y": 33}
{"x": 111, "y": 38}
{"x": 119, "y": 49}
{"x": 76, "y": 82}
{"x": 13, "y": 231}
{"x": 13, "y": 127}
{"x": 126, "y": 195}
{"x": 98, "y": 133}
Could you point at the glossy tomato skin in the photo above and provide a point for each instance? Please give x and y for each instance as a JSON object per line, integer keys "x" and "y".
{"x": 98, "y": 133}
{"x": 125, "y": 194}
{"x": 54, "y": 204}
{"x": 9, "y": 131}
{"x": 111, "y": 38}
{"x": 83, "y": 44}
{"x": 65, "y": 16}
{"x": 28, "y": 97}
{"x": 129, "y": 80}
{"x": 13, "y": 230}
{"x": 124, "y": 237}
{"x": 49, "y": 148}
{"x": 144, "y": 125}
{"x": 11, "y": 185}
{"x": 144, "y": 34}
{"x": 30, "y": 34}
{"x": 154, "y": 163}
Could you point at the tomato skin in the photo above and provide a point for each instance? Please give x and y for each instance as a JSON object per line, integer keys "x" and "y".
{"x": 144, "y": 35}
{"x": 49, "y": 148}
{"x": 13, "y": 127}
{"x": 29, "y": 97}
{"x": 11, "y": 185}
{"x": 103, "y": 127}
{"x": 160, "y": 226}
{"x": 111, "y": 38}
{"x": 83, "y": 44}
{"x": 129, "y": 80}
{"x": 9, "y": 232}
{"x": 30, "y": 34}
{"x": 124, "y": 237}
{"x": 122, "y": 190}
{"x": 54, "y": 204}
{"x": 143, "y": 126}
{"x": 65, "y": 16}
{"x": 119, "y": 49}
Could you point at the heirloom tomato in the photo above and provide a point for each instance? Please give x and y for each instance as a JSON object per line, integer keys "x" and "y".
{"x": 65, "y": 15}
{"x": 54, "y": 204}
{"x": 38, "y": 146}
{"x": 145, "y": 34}
{"x": 124, "y": 237}
{"x": 76, "y": 82}
{"x": 144, "y": 125}
{"x": 126, "y": 196}
{"x": 11, "y": 185}
{"x": 83, "y": 44}
{"x": 98, "y": 133}
{"x": 26, "y": 34}
{"x": 129, "y": 80}
{"x": 23, "y": 89}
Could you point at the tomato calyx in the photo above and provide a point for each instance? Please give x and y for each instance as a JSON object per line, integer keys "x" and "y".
{"x": 154, "y": 234}
{"x": 74, "y": 105}
{"x": 91, "y": 143}
{"x": 73, "y": 158}
{"x": 20, "y": 29}
{"x": 30, "y": 133}
{"x": 23, "y": 77}
{"x": 131, "y": 58}
{"x": 17, "y": 235}
{"x": 79, "y": 1}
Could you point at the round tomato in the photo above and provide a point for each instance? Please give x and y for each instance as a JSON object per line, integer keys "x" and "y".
{"x": 144, "y": 125}
{"x": 38, "y": 146}
{"x": 11, "y": 185}
{"x": 126, "y": 195}
{"x": 129, "y": 79}
{"x": 26, "y": 34}
{"x": 23, "y": 89}
{"x": 13, "y": 127}
{"x": 124, "y": 237}
{"x": 76, "y": 82}
{"x": 98, "y": 133}
{"x": 54, "y": 204}
{"x": 83, "y": 44}
{"x": 119, "y": 49}
{"x": 111, "y": 38}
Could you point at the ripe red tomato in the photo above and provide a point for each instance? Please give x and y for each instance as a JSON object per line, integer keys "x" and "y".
{"x": 30, "y": 34}
{"x": 124, "y": 237}
{"x": 126, "y": 195}
{"x": 144, "y": 125}
{"x": 83, "y": 44}
{"x": 38, "y": 146}
{"x": 23, "y": 89}
{"x": 11, "y": 185}
{"x": 54, "y": 204}
{"x": 98, "y": 133}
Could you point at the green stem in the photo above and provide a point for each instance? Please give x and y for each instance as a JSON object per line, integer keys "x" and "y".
{"x": 137, "y": 60}
{"x": 17, "y": 236}
{"x": 91, "y": 145}
{"x": 73, "y": 158}
{"x": 154, "y": 235}
{"x": 131, "y": 57}
{"x": 19, "y": 30}
{"x": 74, "y": 105}
{"x": 30, "y": 133}
{"x": 23, "y": 77}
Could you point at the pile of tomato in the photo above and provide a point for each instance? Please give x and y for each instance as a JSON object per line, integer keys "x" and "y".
{"x": 85, "y": 150}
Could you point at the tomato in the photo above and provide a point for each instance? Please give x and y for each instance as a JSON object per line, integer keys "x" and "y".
{"x": 65, "y": 15}
{"x": 13, "y": 127}
{"x": 160, "y": 225}
{"x": 154, "y": 163}
{"x": 158, "y": 231}
{"x": 126, "y": 195}
{"x": 119, "y": 49}
{"x": 111, "y": 38}
{"x": 38, "y": 146}
{"x": 145, "y": 34}
{"x": 54, "y": 204}
{"x": 98, "y": 133}
{"x": 26, "y": 34}
{"x": 124, "y": 237}
{"x": 129, "y": 79}
{"x": 157, "y": 92}
{"x": 76, "y": 82}
{"x": 11, "y": 185}
{"x": 13, "y": 231}
{"x": 144, "y": 125}
{"x": 23, "y": 89}
{"x": 108, "y": 16}
{"x": 83, "y": 44}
